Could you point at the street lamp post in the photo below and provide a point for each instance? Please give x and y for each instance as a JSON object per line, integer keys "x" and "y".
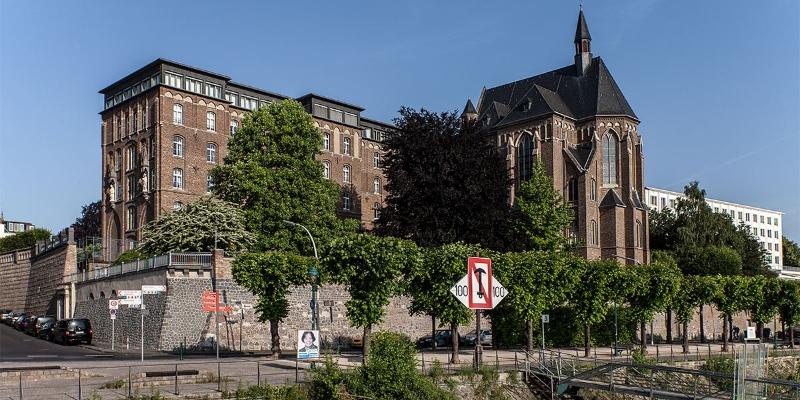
{"x": 313, "y": 274}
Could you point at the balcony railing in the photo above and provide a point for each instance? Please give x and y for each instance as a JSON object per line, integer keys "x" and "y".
{"x": 166, "y": 260}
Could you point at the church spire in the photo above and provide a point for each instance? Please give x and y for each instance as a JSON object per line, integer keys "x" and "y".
{"x": 583, "y": 44}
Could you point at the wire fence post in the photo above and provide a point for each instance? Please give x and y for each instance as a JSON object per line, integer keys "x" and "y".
{"x": 296, "y": 371}
{"x": 219, "y": 378}
{"x": 20, "y": 385}
{"x": 80, "y": 395}
{"x": 258, "y": 373}
{"x": 129, "y": 382}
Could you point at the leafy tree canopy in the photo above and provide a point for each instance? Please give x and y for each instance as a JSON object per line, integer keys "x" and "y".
{"x": 270, "y": 172}
{"x": 789, "y": 307}
{"x": 24, "y": 240}
{"x": 791, "y": 252}
{"x": 194, "y": 228}
{"x": 88, "y": 224}
{"x": 540, "y": 214}
{"x": 447, "y": 182}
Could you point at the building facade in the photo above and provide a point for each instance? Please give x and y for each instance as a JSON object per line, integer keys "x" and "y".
{"x": 765, "y": 225}
{"x": 166, "y": 125}
{"x": 8, "y": 228}
{"x": 576, "y": 121}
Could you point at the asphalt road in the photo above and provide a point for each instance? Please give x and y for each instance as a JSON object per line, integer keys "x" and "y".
{"x": 17, "y": 346}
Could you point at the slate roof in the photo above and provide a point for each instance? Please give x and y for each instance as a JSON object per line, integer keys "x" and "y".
{"x": 469, "y": 108}
{"x": 582, "y": 30}
{"x": 580, "y": 154}
{"x": 562, "y": 91}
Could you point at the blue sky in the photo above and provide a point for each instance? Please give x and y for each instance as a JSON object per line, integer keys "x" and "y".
{"x": 715, "y": 83}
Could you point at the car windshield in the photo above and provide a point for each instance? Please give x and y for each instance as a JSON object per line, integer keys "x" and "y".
{"x": 78, "y": 324}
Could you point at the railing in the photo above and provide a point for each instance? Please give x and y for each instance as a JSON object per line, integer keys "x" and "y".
{"x": 166, "y": 260}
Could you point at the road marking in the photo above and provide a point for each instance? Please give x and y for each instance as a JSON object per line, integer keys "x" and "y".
{"x": 98, "y": 355}
{"x": 44, "y": 356}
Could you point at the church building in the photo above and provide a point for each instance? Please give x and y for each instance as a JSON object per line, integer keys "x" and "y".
{"x": 576, "y": 121}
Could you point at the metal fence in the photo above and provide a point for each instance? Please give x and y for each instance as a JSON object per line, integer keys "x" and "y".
{"x": 171, "y": 259}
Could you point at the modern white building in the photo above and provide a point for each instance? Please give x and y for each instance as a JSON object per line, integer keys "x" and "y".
{"x": 765, "y": 225}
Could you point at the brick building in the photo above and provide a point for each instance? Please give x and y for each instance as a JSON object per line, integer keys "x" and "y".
{"x": 166, "y": 125}
{"x": 576, "y": 120}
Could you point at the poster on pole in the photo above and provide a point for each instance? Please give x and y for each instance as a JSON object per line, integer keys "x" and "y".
{"x": 307, "y": 344}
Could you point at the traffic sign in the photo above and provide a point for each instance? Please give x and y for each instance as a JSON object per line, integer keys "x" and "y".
{"x": 130, "y": 297}
{"x": 153, "y": 289}
{"x": 113, "y": 312}
{"x": 211, "y": 300}
{"x": 113, "y": 316}
{"x": 545, "y": 318}
{"x": 113, "y": 304}
{"x": 478, "y": 290}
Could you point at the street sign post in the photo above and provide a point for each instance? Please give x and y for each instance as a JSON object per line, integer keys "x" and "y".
{"x": 545, "y": 320}
{"x": 130, "y": 297}
{"x": 113, "y": 313}
{"x": 153, "y": 289}
{"x": 478, "y": 290}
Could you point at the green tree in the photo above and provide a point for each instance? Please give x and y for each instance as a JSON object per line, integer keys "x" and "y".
{"x": 371, "y": 268}
{"x": 693, "y": 292}
{"x": 728, "y": 300}
{"x": 24, "y": 240}
{"x": 270, "y": 275}
{"x": 761, "y": 300}
{"x": 663, "y": 229}
{"x": 535, "y": 281}
{"x": 272, "y": 174}
{"x": 715, "y": 260}
{"x": 540, "y": 214}
{"x": 429, "y": 285}
{"x": 197, "y": 227}
{"x": 789, "y": 307}
{"x": 464, "y": 176}
{"x": 656, "y": 286}
{"x": 791, "y": 252}
{"x": 590, "y": 298}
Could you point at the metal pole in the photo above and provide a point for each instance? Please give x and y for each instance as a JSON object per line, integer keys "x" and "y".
{"x": 176, "y": 380}
{"x": 20, "y": 385}
{"x": 112, "y": 334}
{"x": 129, "y": 382}
{"x": 314, "y": 317}
{"x": 141, "y": 311}
{"x": 542, "y": 318}
{"x": 258, "y": 373}
{"x": 216, "y": 307}
{"x": 80, "y": 395}
{"x": 478, "y": 346}
{"x": 616, "y": 330}
{"x": 219, "y": 378}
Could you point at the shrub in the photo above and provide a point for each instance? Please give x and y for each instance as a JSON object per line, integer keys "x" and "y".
{"x": 267, "y": 392}
{"x": 723, "y": 365}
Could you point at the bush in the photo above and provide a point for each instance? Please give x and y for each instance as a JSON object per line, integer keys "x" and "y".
{"x": 723, "y": 365}
{"x": 272, "y": 393}
{"x": 326, "y": 381}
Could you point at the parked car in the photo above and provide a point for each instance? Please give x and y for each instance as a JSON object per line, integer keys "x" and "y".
{"x": 46, "y": 330}
{"x": 69, "y": 331}
{"x": 443, "y": 339}
{"x": 18, "y": 319}
{"x": 35, "y": 324}
{"x": 4, "y": 312}
{"x": 24, "y": 322}
{"x": 7, "y": 317}
{"x": 486, "y": 338}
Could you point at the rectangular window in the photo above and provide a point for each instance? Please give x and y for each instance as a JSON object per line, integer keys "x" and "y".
{"x": 762, "y": 233}
{"x": 777, "y": 260}
{"x": 193, "y": 85}
{"x": 265, "y": 103}
{"x": 769, "y": 233}
{"x": 212, "y": 90}
{"x": 672, "y": 203}
{"x": 350, "y": 119}
{"x": 654, "y": 200}
{"x": 135, "y": 122}
{"x": 336, "y": 115}
{"x": 769, "y": 220}
{"x": 747, "y": 217}
{"x": 740, "y": 215}
{"x": 663, "y": 202}
{"x": 173, "y": 80}
{"x": 320, "y": 111}
{"x": 762, "y": 219}
{"x": 136, "y": 89}
{"x": 131, "y": 218}
{"x": 716, "y": 209}
{"x": 776, "y": 221}
{"x": 769, "y": 246}
{"x": 231, "y": 97}
{"x": 131, "y": 187}
{"x": 572, "y": 190}
{"x": 249, "y": 103}
{"x": 211, "y": 121}
{"x": 145, "y": 84}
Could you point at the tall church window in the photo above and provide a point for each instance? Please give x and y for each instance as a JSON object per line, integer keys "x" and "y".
{"x": 525, "y": 158}
{"x": 593, "y": 239}
{"x": 593, "y": 190}
{"x": 609, "y": 159}
{"x": 638, "y": 234}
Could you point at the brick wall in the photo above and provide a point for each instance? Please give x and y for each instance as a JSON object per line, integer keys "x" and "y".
{"x": 15, "y": 268}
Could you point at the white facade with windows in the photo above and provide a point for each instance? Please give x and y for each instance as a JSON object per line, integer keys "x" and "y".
{"x": 766, "y": 225}
{"x": 8, "y": 228}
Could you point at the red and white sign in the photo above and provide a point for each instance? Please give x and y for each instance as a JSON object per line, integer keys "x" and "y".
{"x": 211, "y": 302}
{"x": 478, "y": 289}
{"x": 113, "y": 304}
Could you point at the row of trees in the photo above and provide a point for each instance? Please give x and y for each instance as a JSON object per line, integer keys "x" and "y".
{"x": 271, "y": 176}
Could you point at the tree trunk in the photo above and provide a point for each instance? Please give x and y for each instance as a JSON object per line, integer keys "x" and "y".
{"x": 669, "y": 325}
{"x": 702, "y": 328}
{"x": 685, "y": 336}
{"x": 760, "y": 330}
{"x": 276, "y": 338}
{"x": 365, "y": 342}
{"x": 433, "y": 332}
{"x": 529, "y": 345}
{"x": 791, "y": 336}
{"x": 587, "y": 332}
{"x": 724, "y": 334}
{"x": 643, "y": 330}
{"x": 454, "y": 341}
{"x": 730, "y": 326}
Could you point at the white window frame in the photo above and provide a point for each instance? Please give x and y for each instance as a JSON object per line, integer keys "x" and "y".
{"x": 177, "y": 178}
{"x": 211, "y": 153}
{"x": 177, "y": 146}
{"x": 326, "y": 141}
{"x": 177, "y": 114}
{"x": 346, "y": 176}
{"x": 211, "y": 121}
{"x": 326, "y": 170}
{"x": 376, "y": 185}
{"x": 234, "y": 126}
{"x": 346, "y": 146}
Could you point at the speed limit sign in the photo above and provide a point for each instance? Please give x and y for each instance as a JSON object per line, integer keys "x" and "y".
{"x": 113, "y": 304}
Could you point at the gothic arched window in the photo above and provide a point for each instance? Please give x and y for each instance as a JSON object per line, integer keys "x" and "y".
{"x": 525, "y": 151}
{"x": 609, "y": 159}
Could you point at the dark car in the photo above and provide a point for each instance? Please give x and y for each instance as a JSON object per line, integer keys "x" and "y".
{"x": 486, "y": 338}
{"x": 69, "y": 331}
{"x": 443, "y": 339}
{"x": 45, "y": 331}
{"x": 18, "y": 320}
{"x": 35, "y": 324}
{"x": 26, "y": 322}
